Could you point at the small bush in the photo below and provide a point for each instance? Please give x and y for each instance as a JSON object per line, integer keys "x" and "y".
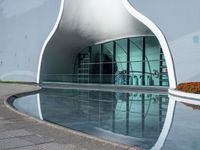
{"x": 190, "y": 87}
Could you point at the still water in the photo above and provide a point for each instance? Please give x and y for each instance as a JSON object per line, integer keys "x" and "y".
{"x": 127, "y": 118}
{"x": 149, "y": 120}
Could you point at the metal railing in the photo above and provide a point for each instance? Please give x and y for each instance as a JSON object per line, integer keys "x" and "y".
{"x": 119, "y": 78}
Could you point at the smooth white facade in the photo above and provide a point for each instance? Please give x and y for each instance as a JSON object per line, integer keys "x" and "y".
{"x": 50, "y": 33}
{"x": 24, "y": 26}
{"x": 25, "y": 32}
{"x": 178, "y": 20}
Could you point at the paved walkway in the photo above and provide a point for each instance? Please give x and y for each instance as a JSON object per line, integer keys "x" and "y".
{"x": 19, "y": 132}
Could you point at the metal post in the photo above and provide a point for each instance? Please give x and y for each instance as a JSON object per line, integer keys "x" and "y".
{"x": 143, "y": 112}
{"x": 128, "y": 62}
{"x": 114, "y": 62}
{"x": 160, "y": 113}
{"x": 101, "y": 63}
{"x": 143, "y": 60}
{"x": 127, "y": 113}
{"x": 79, "y": 66}
{"x": 113, "y": 111}
{"x": 161, "y": 64}
{"x": 100, "y": 97}
{"x": 89, "y": 63}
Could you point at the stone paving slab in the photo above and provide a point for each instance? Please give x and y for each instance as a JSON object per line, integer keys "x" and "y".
{"x": 36, "y": 147}
{"x": 18, "y": 132}
{"x": 4, "y": 122}
{"x": 13, "y": 143}
{"x": 37, "y": 139}
{"x": 14, "y": 133}
{"x": 55, "y": 146}
{"x": 15, "y": 125}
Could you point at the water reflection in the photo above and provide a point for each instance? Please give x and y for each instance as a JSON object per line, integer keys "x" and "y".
{"x": 184, "y": 133}
{"x": 128, "y": 118}
{"x": 193, "y": 106}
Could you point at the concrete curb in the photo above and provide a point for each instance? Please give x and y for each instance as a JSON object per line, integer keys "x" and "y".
{"x": 184, "y": 94}
{"x": 184, "y": 97}
{"x": 105, "y": 87}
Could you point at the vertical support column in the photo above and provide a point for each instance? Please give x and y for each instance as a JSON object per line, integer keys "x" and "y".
{"x": 160, "y": 113}
{"x": 99, "y": 100}
{"x": 78, "y": 67}
{"x": 143, "y": 60}
{"x": 161, "y": 69}
{"x": 143, "y": 112}
{"x": 89, "y": 64}
{"x": 113, "y": 111}
{"x": 101, "y": 64}
{"x": 89, "y": 113}
{"x": 128, "y": 62}
{"x": 127, "y": 113}
{"x": 114, "y": 62}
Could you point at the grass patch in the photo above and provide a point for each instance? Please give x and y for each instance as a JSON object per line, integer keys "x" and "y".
{"x": 18, "y": 82}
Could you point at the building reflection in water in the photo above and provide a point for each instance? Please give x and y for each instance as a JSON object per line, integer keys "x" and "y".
{"x": 137, "y": 115}
{"x": 128, "y": 118}
{"x": 183, "y": 132}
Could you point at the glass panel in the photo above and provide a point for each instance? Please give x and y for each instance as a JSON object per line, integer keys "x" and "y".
{"x": 121, "y": 50}
{"x": 95, "y": 54}
{"x": 136, "y": 61}
{"x": 108, "y": 64}
{"x": 121, "y": 74}
{"x": 95, "y": 64}
{"x": 152, "y": 62}
{"x": 136, "y": 73}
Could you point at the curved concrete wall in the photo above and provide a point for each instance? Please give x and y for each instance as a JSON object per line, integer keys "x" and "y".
{"x": 179, "y": 22}
{"x": 84, "y": 24}
{"x": 24, "y": 26}
{"x": 90, "y": 23}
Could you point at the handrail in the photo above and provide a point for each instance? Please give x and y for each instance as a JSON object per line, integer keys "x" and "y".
{"x": 93, "y": 74}
{"x": 87, "y": 63}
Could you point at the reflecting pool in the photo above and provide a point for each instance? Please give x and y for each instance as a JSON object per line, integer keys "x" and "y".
{"x": 184, "y": 133}
{"x": 127, "y": 118}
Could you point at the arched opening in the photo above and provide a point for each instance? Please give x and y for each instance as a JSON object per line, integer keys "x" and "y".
{"x": 137, "y": 61}
{"x": 127, "y": 59}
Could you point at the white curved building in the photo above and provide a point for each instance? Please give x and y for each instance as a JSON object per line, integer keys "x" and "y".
{"x": 42, "y": 40}
{"x": 110, "y": 42}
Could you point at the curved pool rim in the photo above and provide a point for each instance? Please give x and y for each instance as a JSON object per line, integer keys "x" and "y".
{"x": 9, "y": 103}
{"x": 175, "y": 96}
{"x": 184, "y": 96}
{"x": 178, "y": 96}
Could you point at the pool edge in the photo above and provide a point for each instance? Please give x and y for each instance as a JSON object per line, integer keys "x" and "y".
{"x": 7, "y": 102}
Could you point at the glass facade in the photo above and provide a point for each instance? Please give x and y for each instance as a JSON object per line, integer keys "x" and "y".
{"x": 130, "y": 61}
